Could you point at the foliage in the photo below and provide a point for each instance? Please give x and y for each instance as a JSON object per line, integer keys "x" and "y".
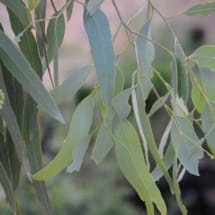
{"x": 123, "y": 121}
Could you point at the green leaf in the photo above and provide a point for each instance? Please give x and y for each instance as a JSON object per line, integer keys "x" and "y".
{"x": 119, "y": 81}
{"x": 19, "y": 67}
{"x": 103, "y": 145}
{"x": 121, "y": 103}
{"x": 182, "y": 80}
{"x": 197, "y": 93}
{"x": 97, "y": 28}
{"x": 55, "y": 34}
{"x": 208, "y": 80}
{"x": 187, "y": 145}
{"x": 205, "y": 57}
{"x": 78, "y": 155}
{"x": 203, "y": 9}
{"x": 131, "y": 161}
{"x": 208, "y": 122}
{"x": 19, "y": 10}
{"x": 145, "y": 51}
{"x": 9, "y": 117}
{"x": 78, "y": 132}
{"x": 93, "y": 6}
{"x": 71, "y": 85}
{"x": 33, "y": 4}
{"x": 69, "y": 9}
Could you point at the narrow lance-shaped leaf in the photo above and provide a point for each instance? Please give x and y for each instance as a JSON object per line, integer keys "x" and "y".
{"x": 102, "y": 146}
{"x": 71, "y": 85}
{"x": 19, "y": 67}
{"x": 131, "y": 161}
{"x": 78, "y": 134}
{"x": 204, "y": 57}
{"x": 69, "y": 9}
{"x": 202, "y": 9}
{"x": 93, "y": 6}
{"x": 8, "y": 115}
{"x": 98, "y": 31}
{"x": 186, "y": 144}
{"x": 19, "y": 9}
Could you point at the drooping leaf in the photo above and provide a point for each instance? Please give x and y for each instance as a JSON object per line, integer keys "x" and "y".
{"x": 131, "y": 161}
{"x": 203, "y": 9}
{"x": 33, "y": 4}
{"x": 208, "y": 122}
{"x": 78, "y": 132}
{"x": 204, "y": 57}
{"x": 98, "y": 31}
{"x": 208, "y": 79}
{"x": 19, "y": 67}
{"x": 71, "y": 85}
{"x": 145, "y": 55}
{"x": 55, "y": 34}
{"x": 19, "y": 10}
{"x": 121, "y": 103}
{"x": 9, "y": 117}
{"x": 197, "y": 93}
{"x": 183, "y": 82}
{"x": 103, "y": 145}
{"x": 69, "y": 9}
{"x": 187, "y": 145}
{"x": 78, "y": 155}
{"x": 93, "y": 6}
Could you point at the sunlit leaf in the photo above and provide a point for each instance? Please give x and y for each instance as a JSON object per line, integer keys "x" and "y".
{"x": 186, "y": 144}
{"x": 103, "y": 145}
{"x": 78, "y": 132}
{"x": 33, "y": 4}
{"x": 98, "y": 31}
{"x": 121, "y": 103}
{"x": 205, "y": 57}
{"x": 131, "y": 161}
{"x": 71, "y": 85}
{"x": 19, "y": 67}
{"x": 203, "y": 9}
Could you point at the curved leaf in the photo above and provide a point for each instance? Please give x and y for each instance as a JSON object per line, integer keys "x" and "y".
{"x": 131, "y": 161}
{"x": 97, "y": 28}
{"x": 19, "y": 67}
{"x": 77, "y": 136}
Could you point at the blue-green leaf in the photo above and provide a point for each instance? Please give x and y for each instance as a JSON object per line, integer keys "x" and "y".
{"x": 18, "y": 9}
{"x": 74, "y": 142}
{"x": 203, "y": 9}
{"x": 19, "y": 67}
{"x": 131, "y": 161}
{"x": 98, "y": 31}
{"x": 187, "y": 145}
{"x": 71, "y": 85}
{"x": 204, "y": 57}
{"x": 93, "y": 6}
{"x": 102, "y": 145}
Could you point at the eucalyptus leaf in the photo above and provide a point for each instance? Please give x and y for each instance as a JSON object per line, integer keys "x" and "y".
{"x": 93, "y": 6}
{"x": 204, "y": 57}
{"x": 19, "y": 67}
{"x": 119, "y": 81}
{"x": 131, "y": 161}
{"x": 99, "y": 36}
{"x": 69, "y": 9}
{"x": 78, "y": 132}
{"x": 102, "y": 146}
{"x": 33, "y": 4}
{"x": 202, "y": 9}
{"x": 71, "y": 85}
{"x": 186, "y": 144}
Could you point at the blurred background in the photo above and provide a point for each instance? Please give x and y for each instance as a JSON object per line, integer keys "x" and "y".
{"x": 102, "y": 190}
